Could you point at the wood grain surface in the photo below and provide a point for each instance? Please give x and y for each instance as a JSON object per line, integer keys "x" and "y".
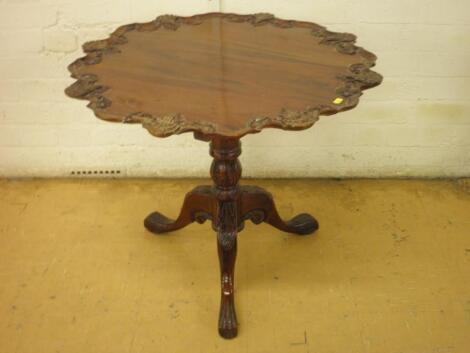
{"x": 222, "y": 74}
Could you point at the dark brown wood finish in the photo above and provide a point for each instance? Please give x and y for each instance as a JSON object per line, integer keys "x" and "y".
{"x": 228, "y": 205}
{"x": 222, "y": 76}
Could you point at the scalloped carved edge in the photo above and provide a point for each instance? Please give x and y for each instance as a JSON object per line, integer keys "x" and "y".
{"x": 167, "y": 125}
{"x": 359, "y": 78}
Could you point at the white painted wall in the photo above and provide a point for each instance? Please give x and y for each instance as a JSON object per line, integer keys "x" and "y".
{"x": 417, "y": 123}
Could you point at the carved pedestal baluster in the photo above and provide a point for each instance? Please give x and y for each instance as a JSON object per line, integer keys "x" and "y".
{"x": 226, "y": 171}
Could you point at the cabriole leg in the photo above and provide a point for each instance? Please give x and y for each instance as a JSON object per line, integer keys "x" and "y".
{"x": 258, "y": 205}
{"x": 226, "y": 171}
{"x": 198, "y": 206}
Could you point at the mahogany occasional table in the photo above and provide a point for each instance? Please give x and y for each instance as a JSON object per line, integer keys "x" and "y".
{"x": 222, "y": 76}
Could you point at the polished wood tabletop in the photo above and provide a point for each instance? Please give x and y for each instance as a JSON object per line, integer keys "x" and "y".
{"x": 222, "y": 74}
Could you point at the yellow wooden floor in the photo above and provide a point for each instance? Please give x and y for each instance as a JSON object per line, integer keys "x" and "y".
{"x": 389, "y": 270}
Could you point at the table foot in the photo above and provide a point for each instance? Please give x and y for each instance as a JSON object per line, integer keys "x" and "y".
{"x": 302, "y": 224}
{"x": 158, "y": 223}
{"x": 228, "y": 325}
